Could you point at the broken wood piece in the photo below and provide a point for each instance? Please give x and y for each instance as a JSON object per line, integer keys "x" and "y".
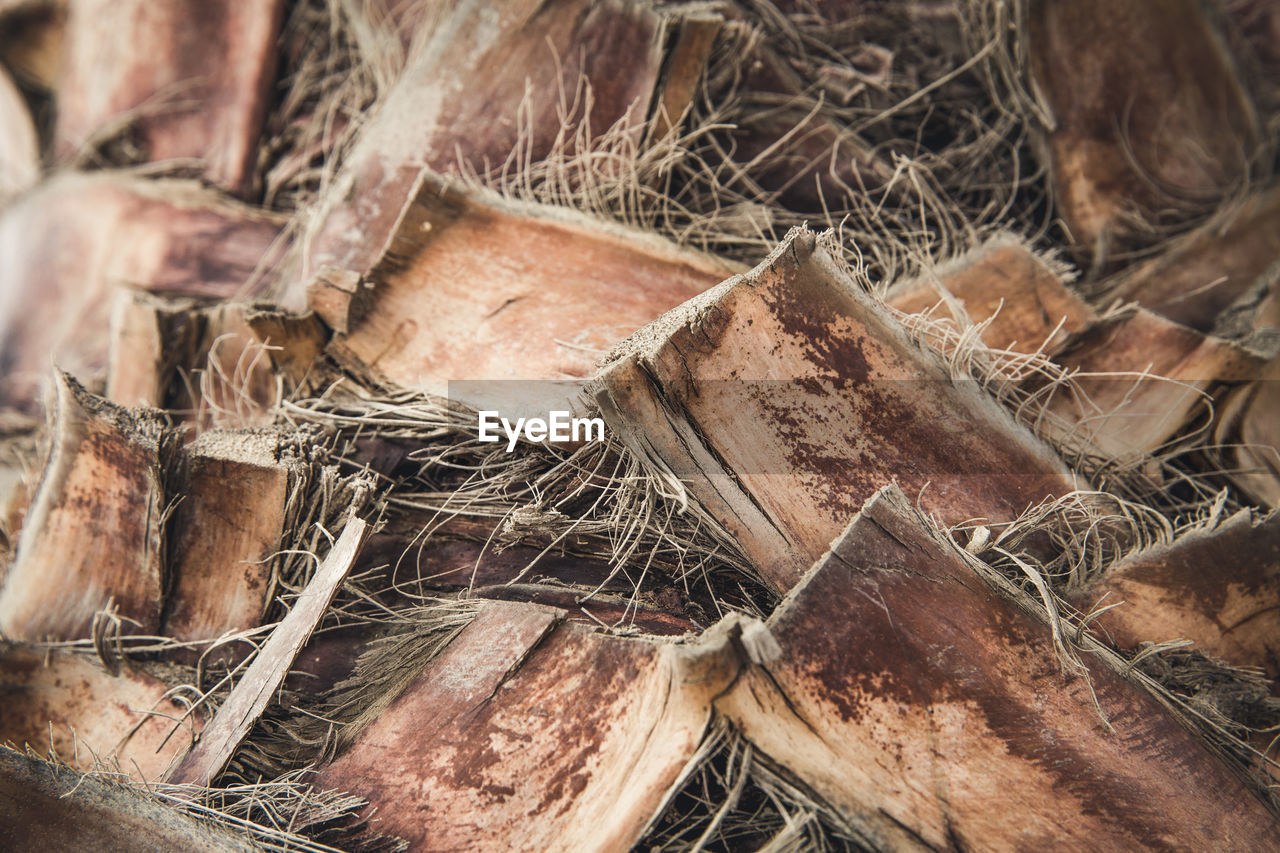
{"x": 926, "y": 709}
{"x": 1205, "y": 271}
{"x": 69, "y": 704}
{"x": 293, "y": 342}
{"x": 691, "y": 39}
{"x": 93, "y": 539}
{"x": 68, "y": 246}
{"x": 151, "y": 337}
{"x": 786, "y": 396}
{"x": 225, "y": 531}
{"x": 253, "y": 691}
{"x": 198, "y": 92}
{"x": 232, "y": 380}
{"x": 1218, "y": 587}
{"x": 473, "y": 288}
{"x": 44, "y": 806}
{"x": 484, "y": 85}
{"x": 19, "y": 147}
{"x": 1260, "y": 442}
{"x": 1139, "y": 381}
{"x": 527, "y": 733}
{"x": 205, "y": 363}
{"x": 1149, "y": 125}
{"x": 1027, "y": 305}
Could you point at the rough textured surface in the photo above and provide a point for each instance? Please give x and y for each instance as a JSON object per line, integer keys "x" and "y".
{"x": 197, "y": 90}
{"x": 1149, "y": 117}
{"x": 204, "y": 363}
{"x": 93, "y": 537}
{"x": 66, "y": 248}
{"x": 1201, "y": 274}
{"x": 1258, "y": 456}
{"x": 929, "y": 712}
{"x": 224, "y": 532}
{"x": 1219, "y": 588}
{"x": 43, "y": 807}
{"x": 530, "y": 734}
{"x": 460, "y": 90}
{"x": 786, "y": 397}
{"x": 557, "y": 293}
{"x": 1143, "y": 378}
{"x": 69, "y": 704}
{"x": 253, "y": 691}
{"x": 1029, "y": 307}
{"x": 810, "y": 161}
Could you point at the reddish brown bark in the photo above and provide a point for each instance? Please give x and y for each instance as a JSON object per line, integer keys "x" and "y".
{"x": 785, "y": 397}
{"x": 67, "y": 248}
{"x": 224, "y": 532}
{"x": 192, "y": 78}
{"x": 93, "y": 537}
{"x": 1203, "y": 273}
{"x": 928, "y": 711}
{"x": 1148, "y": 115}
{"x": 43, "y": 807}
{"x": 545, "y": 735}
{"x": 1142, "y": 380}
{"x": 68, "y": 703}
{"x": 459, "y": 97}
{"x": 1029, "y": 307}
{"x": 472, "y": 288}
{"x": 1219, "y": 588}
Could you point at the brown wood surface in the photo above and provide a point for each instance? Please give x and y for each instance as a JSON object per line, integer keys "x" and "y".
{"x": 469, "y": 76}
{"x": 1258, "y": 456}
{"x": 205, "y": 363}
{"x": 69, "y": 704}
{"x": 70, "y": 245}
{"x": 527, "y": 733}
{"x": 93, "y": 536}
{"x": 1148, "y": 114}
{"x": 47, "y": 808}
{"x": 1141, "y": 380}
{"x": 785, "y": 397}
{"x": 1029, "y": 307}
{"x": 1219, "y": 588}
{"x": 933, "y": 715}
{"x": 808, "y": 161}
{"x": 141, "y": 354}
{"x": 556, "y": 292}
{"x": 224, "y": 534}
{"x": 1202, "y": 273}
{"x": 194, "y": 77}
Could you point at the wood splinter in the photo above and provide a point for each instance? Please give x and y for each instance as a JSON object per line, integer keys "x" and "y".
{"x": 252, "y": 693}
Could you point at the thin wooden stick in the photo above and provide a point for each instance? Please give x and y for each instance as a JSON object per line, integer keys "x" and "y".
{"x": 251, "y": 694}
